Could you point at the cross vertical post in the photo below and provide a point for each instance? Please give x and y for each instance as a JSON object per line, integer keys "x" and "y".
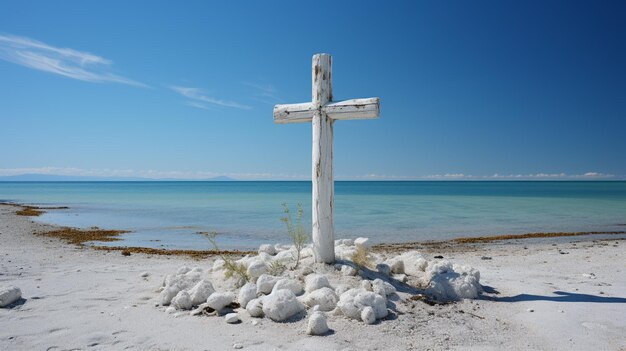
{"x": 322, "y": 112}
{"x": 322, "y": 172}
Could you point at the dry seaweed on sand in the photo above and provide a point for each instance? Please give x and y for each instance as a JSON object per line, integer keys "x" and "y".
{"x": 29, "y": 211}
{"x": 81, "y": 236}
{"x": 33, "y": 211}
{"x": 197, "y": 254}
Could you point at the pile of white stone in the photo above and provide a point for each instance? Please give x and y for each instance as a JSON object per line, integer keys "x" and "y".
{"x": 339, "y": 290}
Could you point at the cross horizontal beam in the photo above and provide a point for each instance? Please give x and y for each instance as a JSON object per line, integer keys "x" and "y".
{"x": 368, "y": 108}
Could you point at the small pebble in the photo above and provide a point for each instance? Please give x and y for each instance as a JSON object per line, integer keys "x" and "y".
{"x": 232, "y": 318}
{"x": 237, "y": 346}
{"x": 145, "y": 274}
{"x": 438, "y": 256}
{"x": 530, "y": 310}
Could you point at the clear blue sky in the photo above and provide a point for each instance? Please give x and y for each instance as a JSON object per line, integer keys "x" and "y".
{"x": 186, "y": 89}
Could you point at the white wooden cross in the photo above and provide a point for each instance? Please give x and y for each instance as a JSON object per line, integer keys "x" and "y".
{"x": 323, "y": 113}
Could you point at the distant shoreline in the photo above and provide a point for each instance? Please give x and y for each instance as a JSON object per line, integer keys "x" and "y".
{"x": 308, "y": 181}
{"x": 73, "y": 236}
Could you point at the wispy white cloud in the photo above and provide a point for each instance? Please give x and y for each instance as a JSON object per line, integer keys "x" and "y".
{"x": 62, "y": 61}
{"x": 264, "y": 93}
{"x": 198, "y": 95}
{"x": 198, "y": 105}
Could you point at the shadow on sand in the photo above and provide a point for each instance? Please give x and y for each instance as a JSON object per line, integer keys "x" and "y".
{"x": 561, "y": 296}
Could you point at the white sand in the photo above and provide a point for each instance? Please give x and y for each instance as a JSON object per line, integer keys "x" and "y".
{"x": 84, "y": 299}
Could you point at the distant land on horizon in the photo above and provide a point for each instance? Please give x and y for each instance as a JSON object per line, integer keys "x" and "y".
{"x": 63, "y": 178}
{"x": 36, "y": 177}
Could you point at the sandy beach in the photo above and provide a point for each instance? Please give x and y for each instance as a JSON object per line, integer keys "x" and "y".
{"x": 565, "y": 293}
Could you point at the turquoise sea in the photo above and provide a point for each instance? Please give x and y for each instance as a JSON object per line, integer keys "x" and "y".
{"x": 246, "y": 214}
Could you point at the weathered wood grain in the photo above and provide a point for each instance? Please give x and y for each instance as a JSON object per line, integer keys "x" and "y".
{"x": 322, "y": 112}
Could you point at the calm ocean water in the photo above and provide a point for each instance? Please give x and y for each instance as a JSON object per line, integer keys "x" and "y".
{"x": 245, "y": 214}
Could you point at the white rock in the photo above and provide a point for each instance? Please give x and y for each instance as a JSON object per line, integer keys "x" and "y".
{"x": 282, "y": 247}
{"x": 366, "y": 285}
{"x": 344, "y": 252}
{"x": 378, "y": 287}
{"x": 382, "y": 288}
{"x": 182, "y": 300}
{"x": 342, "y": 288}
{"x": 246, "y": 294}
{"x": 348, "y": 270}
{"x": 389, "y": 289}
{"x": 175, "y": 283}
{"x": 362, "y": 242}
{"x": 9, "y": 295}
{"x": 218, "y": 265}
{"x": 396, "y": 264}
{"x": 281, "y": 305}
{"x": 201, "y": 291}
{"x": 218, "y": 301}
{"x": 347, "y": 242}
{"x": 255, "y": 308}
{"x": 367, "y": 315}
{"x": 325, "y": 298}
{"x": 306, "y": 270}
{"x": 317, "y": 324}
{"x": 232, "y": 318}
{"x": 265, "y": 283}
{"x": 289, "y": 284}
{"x": 268, "y": 249}
{"x": 452, "y": 282}
{"x": 315, "y": 281}
{"x": 414, "y": 263}
{"x": 353, "y": 301}
{"x": 306, "y": 252}
{"x": 170, "y": 310}
{"x": 167, "y": 294}
{"x": 383, "y": 268}
{"x": 256, "y": 268}
{"x": 144, "y": 274}
{"x": 237, "y": 346}
{"x": 183, "y": 270}
{"x": 285, "y": 257}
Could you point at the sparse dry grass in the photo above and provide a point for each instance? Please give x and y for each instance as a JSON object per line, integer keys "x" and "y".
{"x": 361, "y": 257}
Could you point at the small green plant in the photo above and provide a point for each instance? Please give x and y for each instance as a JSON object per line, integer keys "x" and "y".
{"x": 276, "y": 268}
{"x": 297, "y": 233}
{"x": 232, "y": 268}
{"x": 361, "y": 257}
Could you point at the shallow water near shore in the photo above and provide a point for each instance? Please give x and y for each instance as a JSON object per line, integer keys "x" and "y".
{"x": 246, "y": 214}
